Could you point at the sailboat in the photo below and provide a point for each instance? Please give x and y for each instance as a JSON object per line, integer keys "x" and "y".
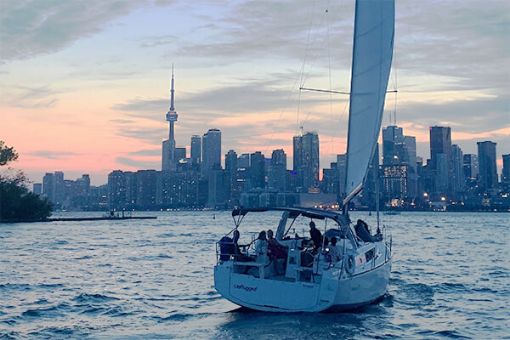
{"x": 355, "y": 271}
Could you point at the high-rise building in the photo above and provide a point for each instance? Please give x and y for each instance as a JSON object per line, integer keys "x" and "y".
{"x": 400, "y": 151}
{"x": 393, "y": 145}
{"x": 257, "y": 171}
{"x": 169, "y": 160}
{"x": 372, "y": 179}
{"x": 49, "y": 186}
{"x": 59, "y": 189}
{"x": 196, "y": 149}
{"x": 470, "y": 167}
{"x": 216, "y": 186}
{"x": 441, "y": 158}
{"x": 505, "y": 174}
{"x": 211, "y": 151}
{"x": 306, "y": 160}
{"x": 232, "y": 192}
{"x": 395, "y": 181}
{"x": 457, "y": 180}
{"x": 488, "y": 176}
{"x": 341, "y": 164}
{"x": 278, "y": 171}
{"x": 410, "y": 160}
{"x": 329, "y": 183}
{"x": 146, "y": 189}
{"x": 440, "y": 143}
{"x": 116, "y": 190}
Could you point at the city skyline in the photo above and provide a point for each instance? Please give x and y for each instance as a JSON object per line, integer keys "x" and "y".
{"x": 88, "y": 92}
{"x": 450, "y": 179}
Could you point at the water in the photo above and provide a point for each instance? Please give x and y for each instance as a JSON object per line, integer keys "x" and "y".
{"x": 153, "y": 279}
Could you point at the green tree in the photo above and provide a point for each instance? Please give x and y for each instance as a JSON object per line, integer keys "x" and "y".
{"x": 16, "y": 201}
{"x": 7, "y": 154}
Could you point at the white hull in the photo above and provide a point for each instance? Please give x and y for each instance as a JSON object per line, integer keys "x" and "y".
{"x": 335, "y": 289}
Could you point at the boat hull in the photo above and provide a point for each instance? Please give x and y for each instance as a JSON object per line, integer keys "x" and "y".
{"x": 337, "y": 290}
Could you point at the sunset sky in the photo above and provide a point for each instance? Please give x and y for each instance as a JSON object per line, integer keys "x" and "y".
{"x": 84, "y": 85}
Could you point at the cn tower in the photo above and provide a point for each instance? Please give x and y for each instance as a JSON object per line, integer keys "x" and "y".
{"x": 168, "y": 159}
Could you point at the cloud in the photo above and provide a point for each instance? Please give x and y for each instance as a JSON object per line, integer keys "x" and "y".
{"x": 146, "y": 152}
{"x": 33, "y": 97}
{"x": 137, "y": 163}
{"x": 472, "y": 116}
{"x": 150, "y": 135}
{"x": 47, "y": 154}
{"x": 32, "y": 27}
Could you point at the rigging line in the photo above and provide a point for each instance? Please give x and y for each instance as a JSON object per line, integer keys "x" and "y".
{"x": 337, "y": 92}
{"x": 328, "y": 37}
{"x": 321, "y": 90}
{"x": 301, "y": 79}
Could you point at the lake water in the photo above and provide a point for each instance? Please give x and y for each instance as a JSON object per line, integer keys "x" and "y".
{"x": 153, "y": 279}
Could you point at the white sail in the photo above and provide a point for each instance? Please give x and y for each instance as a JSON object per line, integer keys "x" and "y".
{"x": 374, "y": 27}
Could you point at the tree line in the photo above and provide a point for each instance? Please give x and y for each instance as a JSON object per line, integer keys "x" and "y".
{"x": 17, "y": 203}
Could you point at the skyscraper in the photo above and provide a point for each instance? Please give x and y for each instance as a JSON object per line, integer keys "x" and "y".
{"x": 457, "y": 180}
{"x": 309, "y": 160}
{"x": 196, "y": 149}
{"x": 117, "y": 190}
{"x": 211, "y": 151}
{"x": 393, "y": 145}
{"x": 257, "y": 170}
{"x": 169, "y": 160}
{"x": 341, "y": 164}
{"x": 231, "y": 176}
{"x": 440, "y": 143}
{"x": 488, "y": 177}
{"x": 410, "y": 160}
{"x": 505, "y": 174}
{"x": 470, "y": 167}
{"x": 59, "y": 188}
{"x": 48, "y": 186}
{"x": 441, "y": 158}
{"x": 278, "y": 171}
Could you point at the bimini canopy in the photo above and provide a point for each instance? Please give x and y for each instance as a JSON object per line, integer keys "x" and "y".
{"x": 293, "y": 212}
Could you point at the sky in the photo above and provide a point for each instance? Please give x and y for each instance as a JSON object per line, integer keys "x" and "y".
{"x": 84, "y": 85}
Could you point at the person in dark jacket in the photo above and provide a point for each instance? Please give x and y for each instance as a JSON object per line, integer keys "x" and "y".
{"x": 362, "y": 231}
{"x": 229, "y": 246}
{"x": 316, "y": 236}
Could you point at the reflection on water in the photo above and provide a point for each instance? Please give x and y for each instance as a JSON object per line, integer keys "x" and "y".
{"x": 153, "y": 278}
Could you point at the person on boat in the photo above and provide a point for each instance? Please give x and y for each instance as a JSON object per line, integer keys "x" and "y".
{"x": 275, "y": 249}
{"x": 362, "y": 231}
{"x": 227, "y": 248}
{"x": 235, "y": 240}
{"x": 316, "y": 236}
{"x": 334, "y": 252}
{"x": 261, "y": 247}
{"x": 277, "y": 252}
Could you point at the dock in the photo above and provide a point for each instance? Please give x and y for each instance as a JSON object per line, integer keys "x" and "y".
{"x": 106, "y": 218}
{"x": 79, "y": 219}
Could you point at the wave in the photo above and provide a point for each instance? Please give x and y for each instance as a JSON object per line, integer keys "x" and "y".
{"x": 46, "y": 312}
{"x": 93, "y": 298}
{"x": 415, "y": 294}
{"x": 178, "y": 316}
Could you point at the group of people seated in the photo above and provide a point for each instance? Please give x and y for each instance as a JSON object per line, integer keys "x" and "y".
{"x": 328, "y": 246}
{"x": 266, "y": 247}
{"x": 269, "y": 250}
{"x": 363, "y": 232}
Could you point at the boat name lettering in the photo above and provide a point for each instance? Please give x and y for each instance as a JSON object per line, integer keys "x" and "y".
{"x": 246, "y": 288}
